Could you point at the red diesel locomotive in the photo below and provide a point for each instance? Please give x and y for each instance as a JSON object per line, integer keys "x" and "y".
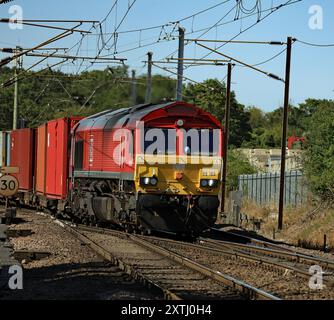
{"x": 144, "y": 168}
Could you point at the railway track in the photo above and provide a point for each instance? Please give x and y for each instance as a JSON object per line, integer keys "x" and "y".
{"x": 238, "y": 238}
{"x": 271, "y": 253}
{"x": 281, "y": 253}
{"x": 178, "y": 276}
{"x": 282, "y": 260}
{"x": 285, "y": 279}
{"x": 208, "y": 269}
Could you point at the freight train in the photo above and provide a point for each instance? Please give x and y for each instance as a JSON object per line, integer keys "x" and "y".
{"x": 150, "y": 167}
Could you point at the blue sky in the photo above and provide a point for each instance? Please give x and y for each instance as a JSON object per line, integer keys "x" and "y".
{"x": 312, "y": 67}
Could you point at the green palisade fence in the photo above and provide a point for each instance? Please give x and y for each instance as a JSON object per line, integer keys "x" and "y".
{"x": 263, "y": 188}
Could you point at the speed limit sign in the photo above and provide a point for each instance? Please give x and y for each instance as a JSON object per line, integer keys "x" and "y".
{"x": 8, "y": 185}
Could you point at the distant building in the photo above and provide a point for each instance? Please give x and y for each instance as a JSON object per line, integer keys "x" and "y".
{"x": 269, "y": 160}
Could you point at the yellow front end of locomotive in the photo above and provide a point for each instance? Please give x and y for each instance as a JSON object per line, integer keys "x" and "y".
{"x": 178, "y": 175}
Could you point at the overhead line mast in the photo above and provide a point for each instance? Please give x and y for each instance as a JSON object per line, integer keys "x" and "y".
{"x": 180, "y": 65}
{"x": 284, "y": 131}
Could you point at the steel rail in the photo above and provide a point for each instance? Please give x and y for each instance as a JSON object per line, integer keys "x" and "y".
{"x": 183, "y": 260}
{"x": 273, "y": 252}
{"x": 262, "y": 243}
{"x": 249, "y": 291}
{"x": 231, "y": 251}
{"x": 237, "y": 253}
{"x": 106, "y": 254}
{"x": 282, "y": 265}
{"x": 278, "y": 253}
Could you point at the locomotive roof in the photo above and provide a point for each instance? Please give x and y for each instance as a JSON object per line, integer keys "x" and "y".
{"x": 118, "y": 118}
{"x": 109, "y": 118}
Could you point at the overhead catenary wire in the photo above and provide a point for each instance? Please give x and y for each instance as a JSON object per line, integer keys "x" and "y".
{"x": 74, "y": 57}
{"x": 24, "y": 22}
{"x": 174, "y": 73}
{"x": 183, "y": 19}
{"x": 137, "y": 30}
{"x": 79, "y": 43}
{"x": 279, "y": 43}
{"x": 274, "y": 9}
{"x": 105, "y": 43}
{"x": 10, "y": 82}
{"x": 192, "y": 63}
{"x": 271, "y": 11}
{"x": 171, "y": 38}
{"x": 186, "y": 78}
{"x": 189, "y": 17}
{"x": 316, "y": 44}
{"x": 24, "y": 52}
{"x": 271, "y": 75}
{"x": 115, "y": 33}
{"x": 270, "y": 59}
{"x": 18, "y": 77}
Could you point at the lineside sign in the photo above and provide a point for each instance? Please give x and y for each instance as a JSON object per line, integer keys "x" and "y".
{"x": 9, "y": 170}
{"x": 8, "y": 186}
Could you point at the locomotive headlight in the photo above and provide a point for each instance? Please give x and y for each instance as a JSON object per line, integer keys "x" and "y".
{"x": 147, "y": 181}
{"x": 180, "y": 123}
{"x": 209, "y": 183}
{"x": 213, "y": 183}
{"x": 204, "y": 183}
{"x": 154, "y": 181}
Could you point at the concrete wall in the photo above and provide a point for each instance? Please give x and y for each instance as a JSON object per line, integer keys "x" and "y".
{"x": 269, "y": 160}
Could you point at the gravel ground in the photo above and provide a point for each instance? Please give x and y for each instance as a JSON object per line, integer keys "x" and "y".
{"x": 284, "y": 285}
{"x": 72, "y": 271}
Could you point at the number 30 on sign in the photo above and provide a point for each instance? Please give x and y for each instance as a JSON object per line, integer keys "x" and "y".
{"x": 8, "y": 185}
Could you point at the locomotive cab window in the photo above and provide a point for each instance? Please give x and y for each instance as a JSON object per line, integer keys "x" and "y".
{"x": 160, "y": 141}
{"x": 203, "y": 142}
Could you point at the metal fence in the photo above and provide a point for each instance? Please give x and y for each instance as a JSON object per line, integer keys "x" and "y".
{"x": 263, "y": 188}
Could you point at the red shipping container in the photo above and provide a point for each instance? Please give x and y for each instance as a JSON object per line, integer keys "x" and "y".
{"x": 41, "y": 159}
{"x": 57, "y": 157}
{"x": 22, "y": 156}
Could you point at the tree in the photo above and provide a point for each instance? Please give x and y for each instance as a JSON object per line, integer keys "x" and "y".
{"x": 163, "y": 89}
{"x": 211, "y": 96}
{"x": 319, "y": 150}
{"x": 52, "y": 94}
{"x": 305, "y": 112}
{"x": 257, "y": 118}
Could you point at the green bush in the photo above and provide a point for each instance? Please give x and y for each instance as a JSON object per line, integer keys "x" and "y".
{"x": 237, "y": 164}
